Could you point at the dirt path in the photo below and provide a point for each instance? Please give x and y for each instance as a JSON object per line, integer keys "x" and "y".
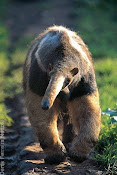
{"x": 23, "y": 154}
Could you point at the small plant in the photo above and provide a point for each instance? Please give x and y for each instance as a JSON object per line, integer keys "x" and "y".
{"x": 107, "y": 145}
{"x": 4, "y": 118}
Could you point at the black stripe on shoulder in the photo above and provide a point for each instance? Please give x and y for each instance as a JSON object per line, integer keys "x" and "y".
{"x": 84, "y": 87}
{"x": 38, "y": 80}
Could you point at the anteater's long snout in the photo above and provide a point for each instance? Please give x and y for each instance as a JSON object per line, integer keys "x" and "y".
{"x": 54, "y": 87}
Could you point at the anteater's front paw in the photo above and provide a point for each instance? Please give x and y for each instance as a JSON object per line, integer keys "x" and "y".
{"x": 55, "y": 158}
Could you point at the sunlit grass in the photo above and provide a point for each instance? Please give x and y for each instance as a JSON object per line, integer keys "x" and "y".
{"x": 4, "y": 118}
{"x": 98, "y": 27}
{"x": 107, "y": 146}
{"x": 106, "y": 74}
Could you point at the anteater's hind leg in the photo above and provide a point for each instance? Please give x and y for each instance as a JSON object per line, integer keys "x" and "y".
{"x": 45, "y": 125}
{"x": 86, "y": 117}
{"x": 68, "y": 132}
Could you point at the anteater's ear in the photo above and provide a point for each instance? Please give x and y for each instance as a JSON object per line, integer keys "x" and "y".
{"x": 50, "y": 67}
{"x": 74, "y": 71}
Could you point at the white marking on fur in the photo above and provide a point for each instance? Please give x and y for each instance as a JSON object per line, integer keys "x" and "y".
{"x": 73, "y": 43}
{"x": 49, "y": 43}
{"x": 77, "y": 46}
{"x": 28, "y": 62}
{"x": 39, "y": 61}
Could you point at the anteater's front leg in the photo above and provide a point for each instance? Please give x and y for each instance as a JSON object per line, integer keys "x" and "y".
{"x": 45, "y": 126}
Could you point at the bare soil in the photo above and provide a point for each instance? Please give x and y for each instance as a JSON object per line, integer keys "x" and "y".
{"x": 23, "y": 154}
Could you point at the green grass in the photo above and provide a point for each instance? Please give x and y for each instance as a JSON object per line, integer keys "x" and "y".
{"x": 10, "y": 70}
{"x": 4, "y": 65}
{"x": 11, "y": 64}
{"x": 107, "y": 146}
{"x": 106, "y": 74}
{"x": 98, "y": 27}
{"x": 13, "y": 78}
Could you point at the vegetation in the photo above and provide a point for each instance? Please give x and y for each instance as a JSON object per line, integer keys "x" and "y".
{"x": 106, "y": 74}
{"x": 4, "y": 65}
{"x": 107, "y": 146}
{"x": 96, "y": 22}
{"x": 97, "y": 26}
{"x": 10, "y": 66}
